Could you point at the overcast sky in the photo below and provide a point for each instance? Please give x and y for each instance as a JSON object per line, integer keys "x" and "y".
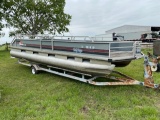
{"x": 92, "y": 17}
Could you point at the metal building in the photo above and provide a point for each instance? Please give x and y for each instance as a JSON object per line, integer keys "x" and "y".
{"x": 133, "y": 28}
{"x": 134, "y": 32}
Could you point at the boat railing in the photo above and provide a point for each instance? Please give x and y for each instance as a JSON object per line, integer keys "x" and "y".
{"x": 115, "y": 49}
{"x": 123, "y": 49}
{"x": 46, "y": 36}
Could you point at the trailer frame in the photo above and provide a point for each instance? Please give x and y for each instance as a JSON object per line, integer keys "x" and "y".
{"x": 87, "y": 78}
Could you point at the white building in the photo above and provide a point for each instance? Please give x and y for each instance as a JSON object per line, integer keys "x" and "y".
{"x": 133, "y": 28}
{"x": 134, "y": 32}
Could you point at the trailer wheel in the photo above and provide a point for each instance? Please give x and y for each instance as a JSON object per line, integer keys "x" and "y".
{"x": 34, "y": 71}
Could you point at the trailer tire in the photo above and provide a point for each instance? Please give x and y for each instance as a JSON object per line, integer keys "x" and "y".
{"x": 34, "y": 71}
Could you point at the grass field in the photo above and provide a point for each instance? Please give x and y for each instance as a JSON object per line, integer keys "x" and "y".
{"x": 47, "y": 96}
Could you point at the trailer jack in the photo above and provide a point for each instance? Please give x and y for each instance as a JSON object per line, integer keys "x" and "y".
{"x": 148, "y": 75}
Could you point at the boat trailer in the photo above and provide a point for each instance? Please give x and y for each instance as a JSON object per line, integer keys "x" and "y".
{"x": 122, "y": 80}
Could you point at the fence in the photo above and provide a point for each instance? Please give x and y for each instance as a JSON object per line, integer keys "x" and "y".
{"x": 147, "y": 45}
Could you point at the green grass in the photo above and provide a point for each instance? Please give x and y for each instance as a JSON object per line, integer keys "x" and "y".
{"x": 47, "y": 96}
{"x": 2, "y": 47}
